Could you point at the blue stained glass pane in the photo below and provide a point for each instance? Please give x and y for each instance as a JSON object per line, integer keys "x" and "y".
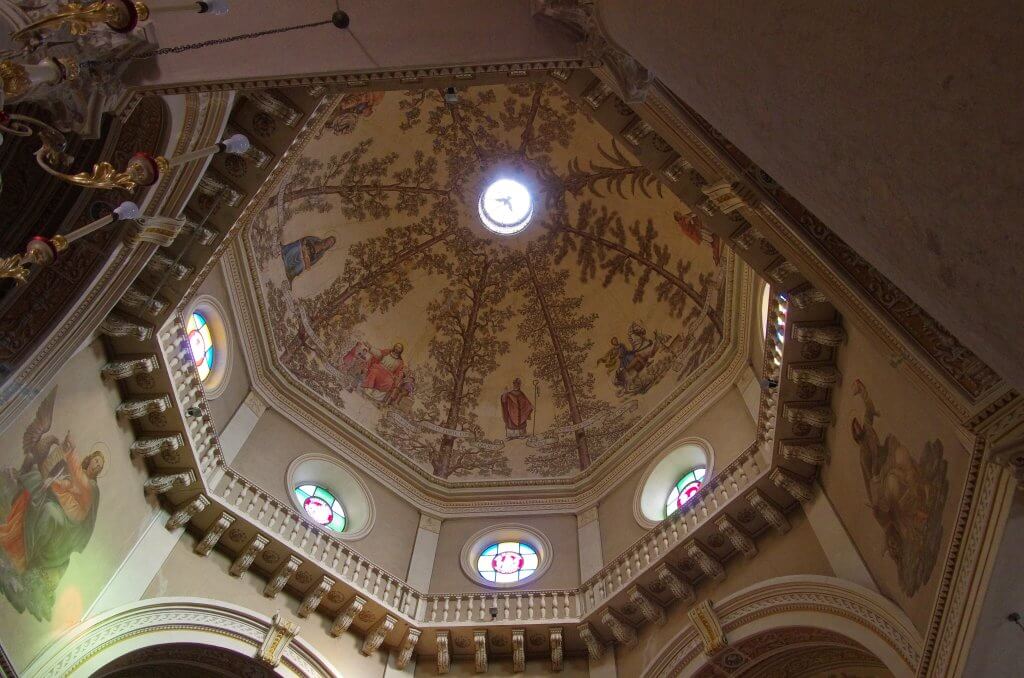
{"x": 490, "y": 550}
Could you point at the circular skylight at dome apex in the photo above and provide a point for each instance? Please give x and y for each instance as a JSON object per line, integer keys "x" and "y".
{"x": 506, "y": 207}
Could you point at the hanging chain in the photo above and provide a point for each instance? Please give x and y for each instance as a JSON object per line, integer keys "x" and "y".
{"x": 142, "y": 56}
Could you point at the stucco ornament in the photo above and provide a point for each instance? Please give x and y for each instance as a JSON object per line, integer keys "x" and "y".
{"x": 580, "y": 18}
{"x": 279, "y": 635}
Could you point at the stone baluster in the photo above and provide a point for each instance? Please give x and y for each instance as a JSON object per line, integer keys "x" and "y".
{"x": 187, "y": 512}
{"x": 314, "y": 595}
{"x": 139, "y": 408}
{"x": 281, "y": 577}
{"x": 245, "y": 559}
{"x": 347, "y": 615}
{"x": 162, "y": 484}
{"x": 769, "y": 511}
{"x": 213, "y": 534}
{"x": 117, "y": 325}
{"x": 153, "y": 445}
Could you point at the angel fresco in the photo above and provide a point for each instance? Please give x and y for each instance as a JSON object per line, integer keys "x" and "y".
{"x": 906, "y": 493}
{"x": 47, "y": 512}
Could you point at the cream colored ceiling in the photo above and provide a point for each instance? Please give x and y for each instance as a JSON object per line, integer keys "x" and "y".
{"x": 606, "y": 308}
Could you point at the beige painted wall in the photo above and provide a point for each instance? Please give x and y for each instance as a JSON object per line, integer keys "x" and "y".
{"x": 914, "y": 417}
{"x": 183, "y": 569}
{"x": 796, "y": 552}
{"x": 84, "y": 411}
{"x": 264, "y": 459}
{"x": 729, "y": 429}
{"x": 559, "y": 529}
{"x": 223, "y": 407}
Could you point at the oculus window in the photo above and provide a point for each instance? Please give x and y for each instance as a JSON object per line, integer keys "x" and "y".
{"x": 321, "y": 506}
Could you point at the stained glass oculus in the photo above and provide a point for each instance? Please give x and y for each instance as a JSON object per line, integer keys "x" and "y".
{"x": 507, "y": 562}
{"x": 201, "y": 343}
{"x": 322, "y": 506}
{"x": 683, "y": 490}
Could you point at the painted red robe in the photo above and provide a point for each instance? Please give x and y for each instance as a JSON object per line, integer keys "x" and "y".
{"x": 515, "y": 410}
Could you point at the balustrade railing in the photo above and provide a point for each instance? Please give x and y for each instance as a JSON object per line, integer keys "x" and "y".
{"x": 278, "y": 520}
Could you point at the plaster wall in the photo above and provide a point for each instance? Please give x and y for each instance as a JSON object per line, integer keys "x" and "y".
{"x": 897, "y": 124}
{"x": 223, "y": 407}
{"x": 908, "y": 566}
{"x": 183, "y": 569}
{"x": 560, "y": 530}
{"x": 272, "y": 446}
{"x": 381, "y": 36}
{"x": 70, "y": 551}
{"x": 726, "y": 425}
{"x": 796, "y": 552}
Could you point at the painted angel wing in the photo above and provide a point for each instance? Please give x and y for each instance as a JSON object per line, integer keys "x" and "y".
{"x": 40, "y": 425}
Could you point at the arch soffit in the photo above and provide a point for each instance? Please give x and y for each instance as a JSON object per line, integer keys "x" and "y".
{"x": 861, "y": 615}
{"x": 95, "y": 643}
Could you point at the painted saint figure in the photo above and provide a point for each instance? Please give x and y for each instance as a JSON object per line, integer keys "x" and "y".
{"x": 627, "y": 361}
{"x": 300, "y": 254}
{"x": 693, "y": 229}
{"x": 50, "y": 507}
{"x": 906, "y": 493}
{"x": 350, "y": 109}
{"x": 516, "y": 410}
{"x": 380, "y": 373}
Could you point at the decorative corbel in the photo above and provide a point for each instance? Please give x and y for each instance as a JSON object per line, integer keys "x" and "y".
{"x": 1009, "y": 452}
{"x": 408, "y": 646}
{"x": 347, "y": 615}
{"x": 248, "y": 556}
{"x": 814, "y": 454}
{"x": 274, "y": 105}
{"x": 579, "y": 18}
{"x": 707, "y": 563}
{"x": 595, "y": 648}
{"x": 124, "y": 369}
{"x": 444, "y": 660}
{"x": 621, "y": 630}
{"x": 796, "y": 487}
{"x": 678, "y": 586}
{"x": 769, "y": 511}
{"x": 737, "y": 537}
{"x": 139, "y": 408}
{"x": 116, "y": 325}
{"x": 822, "y": 376}
{"x": 480, "y": 651}
{"x": 675, "y": 168}
{"x": 708, "y": 626}
{"x": 281, "y": 577}
{"x": 648, "y": 606}
{"x": 161, "y": 263}
{"x": 825, "y": 335}
{"x": 816, "y": 416}
{"x": 137, "y": 300}
{"x": 187, "y": 512}
{"x": 807, "y": 297}
{"x": 557, "y": 648}
{"x": 376, "y": 635}
{"x": 315, "y": 594}
{"x": 782, "y": 270}
{"x": 518, "y": 650}
{"x": 213, "y": 534}
{"x": 279, "y": 635}
{"x": 150, "y": 446}
{"x": 169, "y": 481}
{"x": 730, "y": 196}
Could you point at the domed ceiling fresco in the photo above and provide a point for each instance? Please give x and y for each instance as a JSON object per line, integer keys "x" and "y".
{"x": 469, "y": 354}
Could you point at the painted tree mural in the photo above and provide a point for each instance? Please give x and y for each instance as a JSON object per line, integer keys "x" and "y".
{"x": 401, "y": 211}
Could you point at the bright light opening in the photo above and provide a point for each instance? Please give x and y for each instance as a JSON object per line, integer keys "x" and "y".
{"x": 506, "y": 207}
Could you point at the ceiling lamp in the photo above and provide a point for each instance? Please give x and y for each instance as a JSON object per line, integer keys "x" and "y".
{"x": 506, "y": 207}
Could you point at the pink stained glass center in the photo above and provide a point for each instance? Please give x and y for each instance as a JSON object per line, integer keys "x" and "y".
{"x": 687, "y": 492}
{"x": 318, "y": 510}
{"x": 198, "y": 346}
{"x": 507, "y": 562}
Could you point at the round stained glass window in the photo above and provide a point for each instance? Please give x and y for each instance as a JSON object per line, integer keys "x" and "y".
{"x": 683, "y": 490}
{"x": 506, "y": 207}
{"x": 322, "y": 507}
{"x": 201, "y": 343}
{"x": 507, "y": 562}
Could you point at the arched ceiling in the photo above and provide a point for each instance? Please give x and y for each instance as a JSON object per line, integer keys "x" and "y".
{"x": 464, "y": 355}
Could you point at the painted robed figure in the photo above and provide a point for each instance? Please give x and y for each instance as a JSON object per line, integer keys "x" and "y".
{"x": 300, "y": 254}
{"x": 516, "y": 409}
